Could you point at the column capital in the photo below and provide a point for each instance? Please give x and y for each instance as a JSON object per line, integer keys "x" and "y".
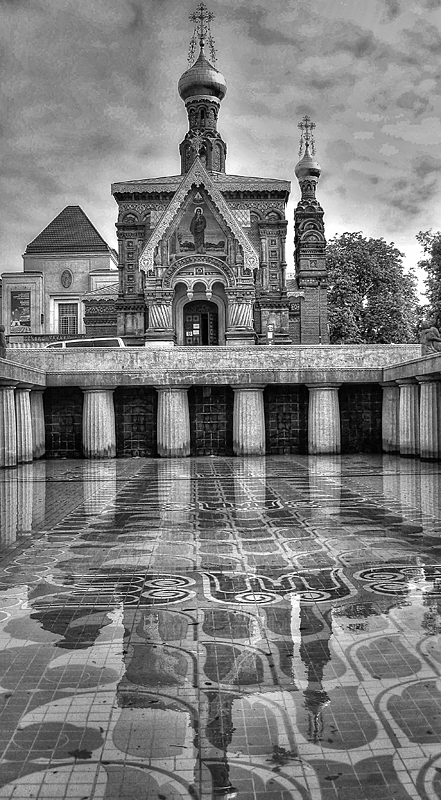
{"x": 248, "y": 387}
{"x": 176, "y": 387}
{"x": 327, "y": 385}
{"x": 434, "y": 378}
{"x": 97, "y": 388}
{"x": 388, "y": 384}
{"x": 407, "y": 382}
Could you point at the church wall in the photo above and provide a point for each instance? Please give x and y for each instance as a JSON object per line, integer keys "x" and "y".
{"x": 360, "y": 416}
{"x": 211, "y": 420}
{"x": 63, "y": 412}
{"x": 286, "y": 419}
{"x": 135, "y": 415}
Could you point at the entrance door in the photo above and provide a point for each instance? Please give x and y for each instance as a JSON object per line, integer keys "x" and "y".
{"x": 201, "y": 323}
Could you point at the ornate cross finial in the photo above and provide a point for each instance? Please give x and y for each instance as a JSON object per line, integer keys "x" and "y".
{"x": 201, "y": 33}
{"x": 306, "y": 136}
{"x": 197, "y": 142}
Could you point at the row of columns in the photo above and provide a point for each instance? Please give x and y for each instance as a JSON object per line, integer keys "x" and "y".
{"x": 411, "y": 418}
{"x": 22, "y": 435}
{"x": 411, "y": 421}
{"x": 173, "y": 421}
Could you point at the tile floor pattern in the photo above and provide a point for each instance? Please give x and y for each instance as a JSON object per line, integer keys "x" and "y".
{"x": 264, "y": 628}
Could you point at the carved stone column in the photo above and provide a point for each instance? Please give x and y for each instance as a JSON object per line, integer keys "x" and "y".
{"x": 240, "y": 330}
{"x": 409, "y": 424}
{"x": 99, "y": 436}
{"x": 8, "y": 427}
{"x": 390, "y": 417}
{"x": 430, "y": 440}
{"x": 324, "y": 420}
{"x": 248, "y": 421}
{"x": 24, "y": 425}
{"x": 37, "y": 420}
{"x": 160, "y": 332}
{"x": 173, "y": 422}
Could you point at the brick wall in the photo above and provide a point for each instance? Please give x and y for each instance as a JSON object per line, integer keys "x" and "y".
{"x": 360, "y": 415}
{"x": 211, "y": 420}
{"x": 286, "y": 419}
{"x": 135, "y": 414}
{"x": 63, "y": 414}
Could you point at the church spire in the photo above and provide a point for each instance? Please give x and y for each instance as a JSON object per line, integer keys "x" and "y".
{"x": 202, "y": 88}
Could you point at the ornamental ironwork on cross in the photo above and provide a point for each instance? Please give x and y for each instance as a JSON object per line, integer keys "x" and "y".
{"x": 306, "y": 135}
{"x": 201, "y": 19}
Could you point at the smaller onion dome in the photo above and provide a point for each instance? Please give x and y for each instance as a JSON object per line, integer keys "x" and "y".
{"x": 202, "y": 78}
{"x": 307, "y": 167}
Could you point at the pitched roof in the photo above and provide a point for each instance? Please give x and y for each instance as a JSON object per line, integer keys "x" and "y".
{"x": 225, "y": 183}
{"x": 70, "y": 232}
{"x": 109, "y": 292}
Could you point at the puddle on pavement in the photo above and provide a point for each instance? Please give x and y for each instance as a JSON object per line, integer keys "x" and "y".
{"x": 266, "y": 628}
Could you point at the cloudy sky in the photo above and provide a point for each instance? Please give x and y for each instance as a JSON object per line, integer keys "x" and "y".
{"x": 90, "y": 97}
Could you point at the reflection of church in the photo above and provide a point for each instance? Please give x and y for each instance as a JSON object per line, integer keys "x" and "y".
{"x": 205, "y": 251}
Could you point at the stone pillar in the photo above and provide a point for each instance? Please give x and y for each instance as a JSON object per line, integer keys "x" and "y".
{"x": 99, "y": 436}
{"x": 324, "y": 420}
{"x": 390, "y": 416}
{"x": 24, "y": 425}
{"x": 173, "y": 422}
{"x": 37, "y": 420}
{"x": 409, "y": 417}
{"x": 429, "y": 418}
{"x": 8, "y": 427}
{"x": 248, "y": 421}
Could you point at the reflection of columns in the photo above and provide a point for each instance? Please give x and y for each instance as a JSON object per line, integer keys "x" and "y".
{"x": 409, "y": 417}
{"x": 430, "y": 495}
{"x": 324, "y": 473}
{"x": 25, "y": 497}
{"x": 248, "y": 421}
{"x": 37, "y": 419}
{"x": 24, "y": 426}
{"x": 38, "y": 493}
{"x": 174, "y": 492}
{"x": 99, "y": 489}
{"x": 8, "y": 427}
{"x": 99, "y": 437}
{"x": 429, "y": 415}
{"x": 390, "y": 416}
{"x": 324, "y": 420}
{"x": 8, "y": 508}
{"x": 173, "y": 422}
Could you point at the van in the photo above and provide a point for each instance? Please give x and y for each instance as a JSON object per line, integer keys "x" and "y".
{"x": 115, "y": 341}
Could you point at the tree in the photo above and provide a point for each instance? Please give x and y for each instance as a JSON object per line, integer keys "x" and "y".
{"x": 431, "y": 244}
{"x": 370, "y": 297}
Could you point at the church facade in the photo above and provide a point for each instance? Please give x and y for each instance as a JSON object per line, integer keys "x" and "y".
{"x": 202, "y": 255}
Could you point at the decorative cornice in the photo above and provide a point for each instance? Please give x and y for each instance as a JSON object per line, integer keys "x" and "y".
{"x": 198, "y": 261}
{"x": 198, "y": 175}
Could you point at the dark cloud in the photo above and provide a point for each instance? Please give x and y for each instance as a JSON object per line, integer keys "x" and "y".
{"x": 256, "y": 21}
{"x": 414, "y": 102}
{"x": 392, "y": 9}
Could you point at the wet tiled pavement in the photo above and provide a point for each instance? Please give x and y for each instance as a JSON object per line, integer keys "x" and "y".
{"x": 265, "y": 628}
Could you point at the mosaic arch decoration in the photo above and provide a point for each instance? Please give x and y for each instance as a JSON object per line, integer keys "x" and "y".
{"x": 202, "y": 268}
{"x": 199, "y": 176}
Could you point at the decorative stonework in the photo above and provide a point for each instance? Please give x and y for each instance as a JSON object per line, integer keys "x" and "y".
{"x": 198, "y": 262}
{"x": 197, "y": 175}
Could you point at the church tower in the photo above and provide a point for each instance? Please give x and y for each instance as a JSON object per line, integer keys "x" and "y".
{"x": 202, "y": 88}
{"x": 310, "y": 244}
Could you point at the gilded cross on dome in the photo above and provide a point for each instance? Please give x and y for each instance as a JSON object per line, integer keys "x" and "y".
{"x": 201, "y": 19}
{"x": 306, "y": 136}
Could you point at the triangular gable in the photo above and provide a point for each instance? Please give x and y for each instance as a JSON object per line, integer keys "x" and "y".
{"x": 198, "y": 175}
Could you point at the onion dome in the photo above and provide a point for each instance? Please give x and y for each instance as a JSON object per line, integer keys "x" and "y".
{"x": 307, "y": 167}
{"x": 202, "y": 79}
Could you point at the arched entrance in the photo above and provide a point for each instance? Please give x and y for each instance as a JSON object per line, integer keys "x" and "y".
{"x": 201, "y": 323}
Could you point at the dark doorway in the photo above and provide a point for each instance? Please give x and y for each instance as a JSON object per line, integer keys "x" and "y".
{"x": 201, "y": 323}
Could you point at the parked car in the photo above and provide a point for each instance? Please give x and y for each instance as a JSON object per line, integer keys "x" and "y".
{"x": 114, "y": 341}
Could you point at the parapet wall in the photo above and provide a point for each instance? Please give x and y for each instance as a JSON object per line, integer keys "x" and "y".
{"x": 217, "y": 365}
